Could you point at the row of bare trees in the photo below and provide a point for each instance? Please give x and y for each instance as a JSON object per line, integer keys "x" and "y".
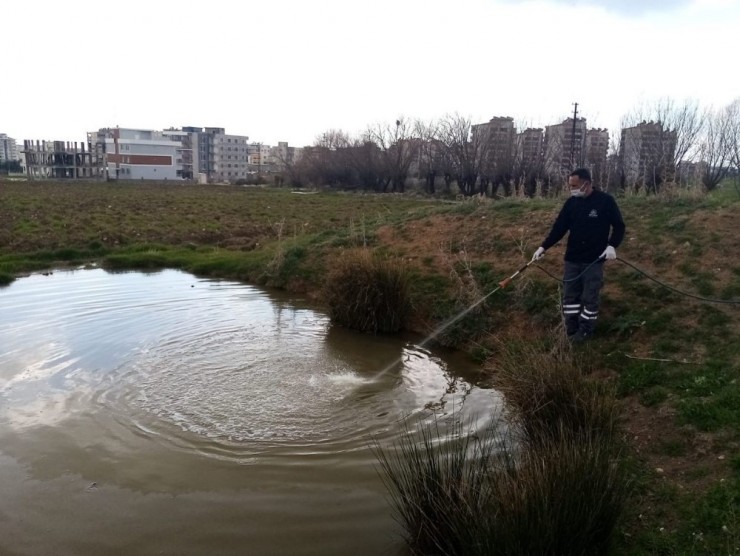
{"x": 667, "y": 141}
{"x": 676, "y": 142}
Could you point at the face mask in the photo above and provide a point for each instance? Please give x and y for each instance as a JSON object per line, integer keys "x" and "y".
{"x": 580, "y": 192}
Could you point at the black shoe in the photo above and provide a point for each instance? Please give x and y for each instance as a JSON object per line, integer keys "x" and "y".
{"x": 579, "y": 337}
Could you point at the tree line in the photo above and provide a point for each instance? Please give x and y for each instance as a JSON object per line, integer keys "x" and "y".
{"x": 675, "y": 142}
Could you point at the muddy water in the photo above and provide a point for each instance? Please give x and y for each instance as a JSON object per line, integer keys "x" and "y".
{"x": 165, "y": 414}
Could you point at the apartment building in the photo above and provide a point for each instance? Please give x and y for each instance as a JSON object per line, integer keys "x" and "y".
{"x": 139, "y": 154}
{"x": 8, "y": 149}
{"x": 597, "y": 149}
{"x": 646, "y": 153}
{"x": 565, "y": 146}
{"x": 226, "y": 156}
{"x": 529, "y": 145}
{"x": 496, "y": 138}
{"x": 186, "y": 151}
{"x": 260, "y": 158}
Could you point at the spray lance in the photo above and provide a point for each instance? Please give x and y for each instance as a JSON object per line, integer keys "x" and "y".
{"x": 503, "y": 283}
{"x": 460, "y": 315}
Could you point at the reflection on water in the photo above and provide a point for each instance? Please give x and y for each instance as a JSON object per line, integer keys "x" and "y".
{"x": 149, "y": 413}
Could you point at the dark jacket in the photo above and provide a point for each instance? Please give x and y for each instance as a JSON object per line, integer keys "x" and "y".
{"x": 589, "y": 220}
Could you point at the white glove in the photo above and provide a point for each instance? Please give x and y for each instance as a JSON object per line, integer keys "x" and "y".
{"x": 538, "y": 254}
{"x": 609, "y": 253}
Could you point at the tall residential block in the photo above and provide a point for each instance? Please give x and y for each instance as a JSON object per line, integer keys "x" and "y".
{"x": 8, "y": 149}
{"x": 529, "y": 148}
{"x": 227, "y": 156}
{"x": 597, "y": 149}
{"x": 565, "y": 146}
{"x": 496, "y": 140}
{"x": 646, "y": 153}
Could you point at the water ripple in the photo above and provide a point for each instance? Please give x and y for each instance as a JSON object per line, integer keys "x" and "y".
{"x": 210, "y": 367}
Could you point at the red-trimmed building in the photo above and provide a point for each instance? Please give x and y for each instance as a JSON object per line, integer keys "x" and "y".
{"x": 140, "y": 154}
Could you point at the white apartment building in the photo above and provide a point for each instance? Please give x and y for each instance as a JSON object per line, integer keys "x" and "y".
{"x": 139, "y": 154}
{"x": 8, "y": 149}
{"x": 223, "y": 157}
{"x": 187, "y": 152}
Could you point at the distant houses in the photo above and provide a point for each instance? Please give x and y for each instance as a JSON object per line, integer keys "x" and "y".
{"x": 207, "y": 155}
{"x": 493, "y": 154}
{"x": 554, "y": 151}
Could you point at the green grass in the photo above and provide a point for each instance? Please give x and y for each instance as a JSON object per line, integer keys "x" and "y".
{"x": 638, "y": 376}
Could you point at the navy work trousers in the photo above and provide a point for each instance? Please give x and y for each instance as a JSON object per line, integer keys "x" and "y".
{"x": 581, "y": 290}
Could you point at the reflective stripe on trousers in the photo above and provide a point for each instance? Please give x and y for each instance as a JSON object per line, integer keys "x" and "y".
{"x": 581, "y": 292}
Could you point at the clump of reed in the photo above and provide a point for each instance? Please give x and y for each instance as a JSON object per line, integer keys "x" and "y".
{"x": 367, "y": 292}
{"x": 558, "y": 485}
{"x": 546, "y": 391}
{"x": 439, "y": 484}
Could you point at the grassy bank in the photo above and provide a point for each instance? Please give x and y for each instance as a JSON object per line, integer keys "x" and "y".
{"x": 672, "y": 362}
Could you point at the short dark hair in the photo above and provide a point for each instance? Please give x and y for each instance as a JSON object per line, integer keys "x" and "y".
{"x": 582, "y": 173}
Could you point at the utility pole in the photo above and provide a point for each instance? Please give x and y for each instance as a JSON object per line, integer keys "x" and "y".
{"x": 573, "y": 138}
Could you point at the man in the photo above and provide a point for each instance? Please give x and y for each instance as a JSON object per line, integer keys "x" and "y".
{"x": 589, "y": 215}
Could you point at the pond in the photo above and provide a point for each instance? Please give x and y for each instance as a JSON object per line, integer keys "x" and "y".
{"x": 161, "y": 413}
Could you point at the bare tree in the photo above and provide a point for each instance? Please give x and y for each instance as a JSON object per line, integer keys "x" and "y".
{"x": 614, "y": 178}
{"x": 325, "y": 163}
{"x": 496, "y": 140}
{"x": 398, "y": 149}
{"x": 676, "y": 134}
{"x": 528, "y": 158}
{"x": 716, "y": 150}
{"x": 288, "y": 164}
{"x": 432, "y": 158}
{"x": 366, "y": 159}
{"x": 733, "y": 132}
{"x": 466, "y": 152}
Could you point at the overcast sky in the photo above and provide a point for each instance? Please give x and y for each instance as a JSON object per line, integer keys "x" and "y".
{"x": 287, "y": 70}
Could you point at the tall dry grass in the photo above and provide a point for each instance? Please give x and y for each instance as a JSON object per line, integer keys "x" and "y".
{"x": 546, "y": 390}
{"x": 558, "y": 486}
{"x": 367, "y": 292}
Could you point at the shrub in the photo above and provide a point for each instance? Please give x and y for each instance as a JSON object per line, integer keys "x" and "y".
{"x": 480, "y": 494}
{"x": 547, "y": 391}
{"x": 564, "y": 497}
{"x": 367, "y": 293}
{"x": 558, "y": 487}
{"x": 439, "y": 484}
